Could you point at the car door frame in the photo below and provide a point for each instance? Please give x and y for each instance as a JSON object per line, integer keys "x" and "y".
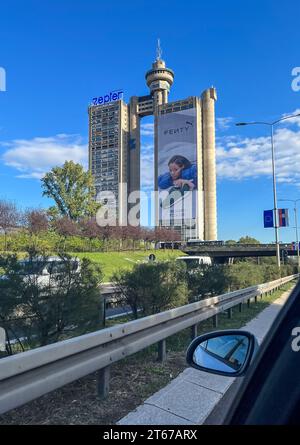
{"x": 270, "y": 391}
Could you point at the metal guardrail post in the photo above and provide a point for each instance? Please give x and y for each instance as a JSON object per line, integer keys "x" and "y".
{"x": 240, "y": 307}
{"x": 103, "y": 378}
{"x": 162, "y": 351}
{"x": 215, "y": 321}
{"x": 104, "y": 312}
{"x": 255, "y": 298}
{"x": 194, "y": 331}
{"x": 248, "y": 302}
{"x": 229, "y": 312}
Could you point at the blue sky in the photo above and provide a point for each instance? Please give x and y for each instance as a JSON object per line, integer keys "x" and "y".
{"x": 59, "y": 54}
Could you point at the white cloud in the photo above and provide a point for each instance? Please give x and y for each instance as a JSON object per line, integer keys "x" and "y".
{"x": 239, "y": 158}
{"x": 147, "y": 129}
{"x": 32, "y": 158}
{"x": 223, "y": 123}
{"x": 147, "y": 167}
{"x": 293, "y": 120}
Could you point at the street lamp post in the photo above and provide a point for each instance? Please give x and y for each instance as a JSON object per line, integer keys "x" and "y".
{"x": 271, "y": 125}
{"x": 296, "y": 226}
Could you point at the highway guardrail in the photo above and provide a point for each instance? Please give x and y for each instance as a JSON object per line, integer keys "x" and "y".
{"x": 31, "y": 374}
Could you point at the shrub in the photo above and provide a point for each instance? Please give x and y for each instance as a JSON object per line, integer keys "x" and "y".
{"x": 153, "y": 287}
{"x": 43, "y": 312}
{"x": 207, "y": 281}
{"x": 243, "y": 275}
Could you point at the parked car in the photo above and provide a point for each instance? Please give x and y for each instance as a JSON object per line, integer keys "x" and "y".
{"x": 269, "y": 392}
{"x": 194, "y": 261}
{"x": 41, "y": 269}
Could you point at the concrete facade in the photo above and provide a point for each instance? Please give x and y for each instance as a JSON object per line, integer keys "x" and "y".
{"x": 108, "y": 150}
{"x": 115, "y": 146}
{"x": 192, "y": 102}
{"x": 208, "y": 99}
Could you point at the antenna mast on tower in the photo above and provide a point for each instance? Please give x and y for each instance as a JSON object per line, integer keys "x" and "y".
{"x": 158, "y": 50}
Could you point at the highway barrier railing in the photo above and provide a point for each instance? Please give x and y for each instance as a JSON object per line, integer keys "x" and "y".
{"x": 31, "y": 374}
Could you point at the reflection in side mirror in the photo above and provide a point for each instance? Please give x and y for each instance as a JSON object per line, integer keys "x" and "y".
{"x": 224, "y": 352}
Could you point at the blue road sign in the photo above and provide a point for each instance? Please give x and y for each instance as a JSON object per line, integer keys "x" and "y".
{"x": 268, "y": 218}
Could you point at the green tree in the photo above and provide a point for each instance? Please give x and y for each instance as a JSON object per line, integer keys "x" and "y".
{"x": 153, "y": 287}
{"x": 73, "y": 191}
{"x": 248, "y": 240}
{"x": 43, "y": 312}
{"x": 242, "y": 275}
{"x": 10, "y": 300}
{"x": 207, "y": 281}
{"x": 9, "y": 218}
{"x": 230, "y": 242}
{"x": 270, "y": 272}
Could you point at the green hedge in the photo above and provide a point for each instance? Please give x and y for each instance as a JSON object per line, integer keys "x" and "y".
{"x": 52, "y": 242}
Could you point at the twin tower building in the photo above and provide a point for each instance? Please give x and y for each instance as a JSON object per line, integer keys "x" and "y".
{"x": 184, "y": 154}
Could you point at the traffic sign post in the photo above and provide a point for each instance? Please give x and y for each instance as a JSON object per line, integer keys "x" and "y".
{"x": 268, "y": 218}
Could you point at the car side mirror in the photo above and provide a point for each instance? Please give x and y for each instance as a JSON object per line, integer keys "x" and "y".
{"x": 227, "y": 352}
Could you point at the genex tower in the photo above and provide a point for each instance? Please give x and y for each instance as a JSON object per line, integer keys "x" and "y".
{"x": 184, "y": 153}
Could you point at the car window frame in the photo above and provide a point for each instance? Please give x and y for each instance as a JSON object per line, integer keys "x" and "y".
{"x": 270, "y": 391}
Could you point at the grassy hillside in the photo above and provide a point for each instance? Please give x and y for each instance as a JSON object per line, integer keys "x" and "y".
{"x": 112, "y": 261}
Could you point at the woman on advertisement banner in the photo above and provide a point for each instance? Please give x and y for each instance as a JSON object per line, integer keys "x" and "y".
{"x": 182, "y": 175}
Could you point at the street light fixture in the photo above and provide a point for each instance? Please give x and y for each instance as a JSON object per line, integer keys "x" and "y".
{"x": 271, "y": 125}
{"x": 296, "y": 226}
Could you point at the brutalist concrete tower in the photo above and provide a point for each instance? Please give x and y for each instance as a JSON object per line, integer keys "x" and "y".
{"x": 159, "y": 79}
{"x": 134, "y": 146}
{"x": 208, "y": 98}
{"x": 184, "y": 152}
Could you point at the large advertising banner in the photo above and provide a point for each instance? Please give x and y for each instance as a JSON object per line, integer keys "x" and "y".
{"x": 177, "y": 168}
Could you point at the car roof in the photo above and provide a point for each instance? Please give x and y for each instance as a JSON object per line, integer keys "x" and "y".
{"x": 46, "y": 259}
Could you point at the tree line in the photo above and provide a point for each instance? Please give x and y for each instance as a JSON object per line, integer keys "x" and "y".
{"x": 52, "y": 233}
{"x": 71, "y": 222}
{"x": 36, "y": 313}
{"x": 154, "y": 287}
{"x": 38, "y": 227}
